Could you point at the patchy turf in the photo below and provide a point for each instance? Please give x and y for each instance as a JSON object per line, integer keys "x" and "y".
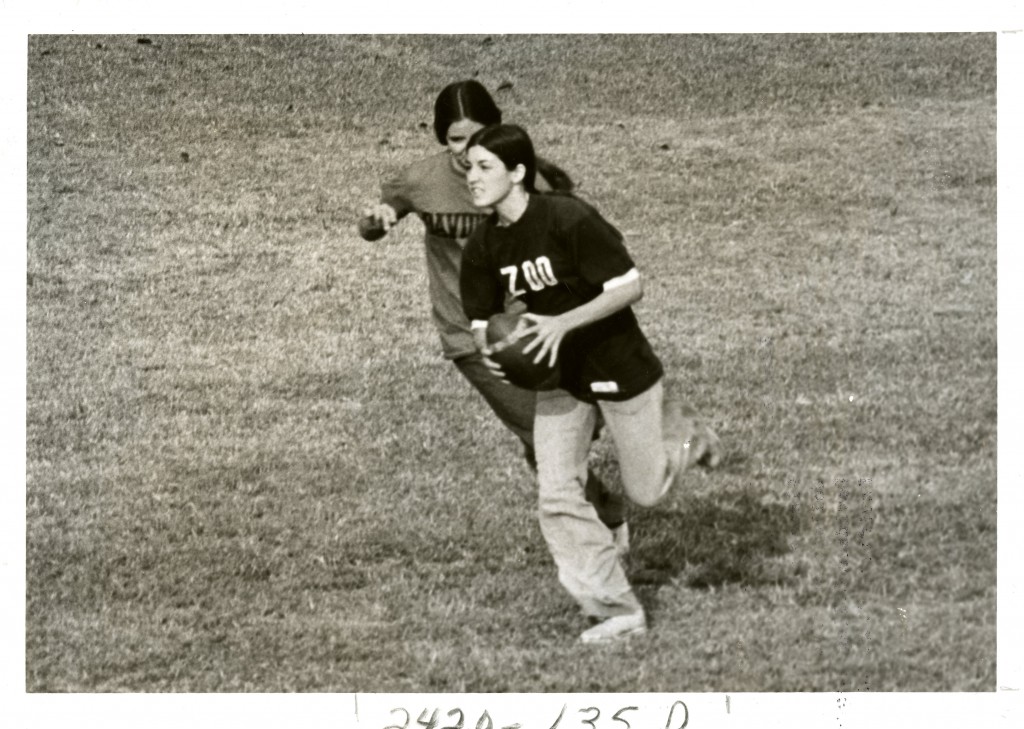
{"x": 250, "y": 470}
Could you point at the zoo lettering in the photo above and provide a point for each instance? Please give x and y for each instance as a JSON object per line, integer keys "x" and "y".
{"x": 538, "y": 274}
{"x": 678, "y": 717}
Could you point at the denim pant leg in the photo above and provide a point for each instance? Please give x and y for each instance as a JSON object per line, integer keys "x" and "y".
{"x": 581, "y": 546}
{"x": 515, "y": 407}
{"x": 636, "y": 429}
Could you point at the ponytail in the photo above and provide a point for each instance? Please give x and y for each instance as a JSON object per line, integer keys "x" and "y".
{"x": 555, "y": 176}
{"x": 511, "y": 144}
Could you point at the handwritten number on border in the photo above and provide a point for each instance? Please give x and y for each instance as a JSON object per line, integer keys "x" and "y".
{"x": 404, "y": 724}
{"x": 597, "y": 713}
{"x": 461, "y": 719}
{"x": 559, "y": 719}
{"x": 430, "y": 723}
{"x": 678, "y": 711}
{"x": 616, "y": 716}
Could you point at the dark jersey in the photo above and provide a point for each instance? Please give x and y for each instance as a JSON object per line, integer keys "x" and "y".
{"x": 556, "y": 257}
{"x": 437, "y": 192}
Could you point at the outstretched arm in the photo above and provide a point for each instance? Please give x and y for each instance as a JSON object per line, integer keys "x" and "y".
{"x": 395, "y": 203}
{"x": 377, "y": 221}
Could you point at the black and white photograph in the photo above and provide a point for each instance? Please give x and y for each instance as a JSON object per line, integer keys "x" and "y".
{"x": 658, "y": 368}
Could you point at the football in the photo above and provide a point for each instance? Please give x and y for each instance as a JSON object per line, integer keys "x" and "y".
{"x": 504, "y": 336}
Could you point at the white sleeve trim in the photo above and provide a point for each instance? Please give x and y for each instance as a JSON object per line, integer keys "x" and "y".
{"x": 478, "y": 324}
{"x": 628, "y": 277}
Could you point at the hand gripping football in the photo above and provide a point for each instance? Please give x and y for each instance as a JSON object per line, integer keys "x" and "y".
{"x": 504, "y": 336}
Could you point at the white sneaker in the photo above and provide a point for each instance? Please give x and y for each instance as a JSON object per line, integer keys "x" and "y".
{"x": 678, "y": 431}
{"x": 711, "y": 450}
{"x": 615, "y": 628}
{"x": 701, "y": 445}
{"x": 620, "y": 535}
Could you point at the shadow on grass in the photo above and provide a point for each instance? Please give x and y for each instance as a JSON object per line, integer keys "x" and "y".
{"x": 734, "y": 462}
{"x": 708, "y": 542}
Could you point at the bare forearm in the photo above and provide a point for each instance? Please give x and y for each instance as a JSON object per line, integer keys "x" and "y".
{"x": 606, "y": 304}
{"x": 480, "y": 337}
{"x": 551, "y": 330}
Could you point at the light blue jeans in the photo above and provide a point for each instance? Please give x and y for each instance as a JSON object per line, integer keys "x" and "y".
{"x": 515, "y": 408}
{"x": 580, "y": 544}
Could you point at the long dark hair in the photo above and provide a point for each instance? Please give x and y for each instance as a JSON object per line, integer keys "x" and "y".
{"x": 463, "y": 100}
{"x": 470, "y": 100}
{"x": 513, "y": 146}
{"x": 556, "y": 177}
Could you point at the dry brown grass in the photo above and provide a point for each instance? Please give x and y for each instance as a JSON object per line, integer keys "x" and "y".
{"x": 249, "y": 470}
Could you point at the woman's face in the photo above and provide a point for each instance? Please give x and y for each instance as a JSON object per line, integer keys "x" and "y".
{"x": 457, "y": 137}
{"x": 489, "y": 180}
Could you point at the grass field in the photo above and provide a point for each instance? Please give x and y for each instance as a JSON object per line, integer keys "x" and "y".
{"x": 249, "y": 468}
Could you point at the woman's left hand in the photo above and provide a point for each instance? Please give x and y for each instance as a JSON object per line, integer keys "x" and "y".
{"x": 550, "y": 330}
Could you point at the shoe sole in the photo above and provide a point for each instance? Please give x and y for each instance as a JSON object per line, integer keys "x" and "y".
{"x": 614, "y": 638}
{"x": 679, "y": 430}
{"x": 712, "y": 447}
{"x": 701, "y": 446}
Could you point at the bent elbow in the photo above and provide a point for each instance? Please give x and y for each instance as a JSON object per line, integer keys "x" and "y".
{"x": 636, "y": 290}
{"x": 627, "y": 288}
